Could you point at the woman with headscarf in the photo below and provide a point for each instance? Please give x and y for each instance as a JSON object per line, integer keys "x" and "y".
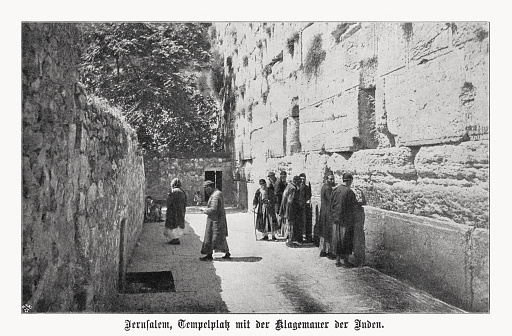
{"x": 175, "y": 217}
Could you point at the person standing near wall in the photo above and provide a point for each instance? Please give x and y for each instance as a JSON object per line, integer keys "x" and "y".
{"x": 272, "y": 198}
{"x": 325, "y": 226}
{"x": 280, "y": 186}
{"x": 175, "y": 216}
{"x": 359, "y": 218}
{"x": 263, "y": 207}
{"x": 216, "y": 229}
{"x": 305, "y": 207}
{"x": 343, "y": 202}
{"x": 291, "y": 213}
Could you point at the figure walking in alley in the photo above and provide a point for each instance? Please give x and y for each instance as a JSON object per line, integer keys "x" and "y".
{"x": 175, "y": 216}
{"x": 291, "y": 214}
{"x": 307, "y": 211}
{"x": 263, "y": 207}
{"x": 343, "y": 202}
{"x": 325, "y": 226}
{"x": 216, "y": 225}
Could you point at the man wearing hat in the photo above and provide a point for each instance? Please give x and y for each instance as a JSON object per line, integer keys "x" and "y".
{"x": 290, "y": 213}
{"x": 342, "y": 216}
{"x": 216, "y": 225}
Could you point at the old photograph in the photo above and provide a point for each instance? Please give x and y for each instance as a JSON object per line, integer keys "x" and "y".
{"x": 308, "y": 168}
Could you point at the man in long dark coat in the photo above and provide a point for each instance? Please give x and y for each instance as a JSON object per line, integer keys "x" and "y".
{"x": 343, "y": 202}
{"x": 216, "y": 225}
{"x": 175, "y": 216}
{"x": 325, "y": 226}
{"x": 291, "y": 213}
{"x": 305, "y": 206}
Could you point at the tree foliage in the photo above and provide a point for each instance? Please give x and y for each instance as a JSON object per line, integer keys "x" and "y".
{"x": 149, "y": 70}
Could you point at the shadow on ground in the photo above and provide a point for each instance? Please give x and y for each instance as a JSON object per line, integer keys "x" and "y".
{"x": 181, "y": 264}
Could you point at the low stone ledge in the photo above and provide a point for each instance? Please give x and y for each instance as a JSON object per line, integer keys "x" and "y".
{"x": 448, "y": 260}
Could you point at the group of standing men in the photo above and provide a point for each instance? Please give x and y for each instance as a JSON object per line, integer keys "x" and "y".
{"x": 292, "y": 201}
{"x": 341, "y": 214}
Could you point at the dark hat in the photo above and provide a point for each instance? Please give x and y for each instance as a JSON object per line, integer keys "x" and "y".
{"x": 262, "y": 181}
{"x": 208, "y": 183}
{"x": 296, "y": 179}
{"x": 271, "y": 174}
{"x": 302, "y": 175}
{"x": 347, "y": 177}
{"x": 283, "y": 173}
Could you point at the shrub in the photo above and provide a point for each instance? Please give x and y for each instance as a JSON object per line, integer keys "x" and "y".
{"x": 315, "y": 56}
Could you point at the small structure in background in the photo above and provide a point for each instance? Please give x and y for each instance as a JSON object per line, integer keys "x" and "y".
{"x": 152, "y": 210}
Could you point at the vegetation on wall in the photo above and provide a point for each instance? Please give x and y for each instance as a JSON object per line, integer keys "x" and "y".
{"x": 148, "y": 69}
{"x": 290, "y": 43}
{"x": 314, "y": 57}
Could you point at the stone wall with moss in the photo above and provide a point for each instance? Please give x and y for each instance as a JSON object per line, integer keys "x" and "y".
{"x": 402, "y": 106}
{"x": 83, "y": 180}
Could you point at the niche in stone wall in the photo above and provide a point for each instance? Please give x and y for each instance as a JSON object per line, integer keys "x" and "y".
{"x": 366, "y": 115}
{"x": 292, "y": 141}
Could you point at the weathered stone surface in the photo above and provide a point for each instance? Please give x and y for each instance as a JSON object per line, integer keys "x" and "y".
{"x": 72, "y": 203}
{"x": 465, "y": 164}
{"x": 434, "y": 255}
{"x": 191, "y": 172}
{"x": 479, "y": 270}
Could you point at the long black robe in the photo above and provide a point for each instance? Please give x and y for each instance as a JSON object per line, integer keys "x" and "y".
{"x": 343, "y": 202}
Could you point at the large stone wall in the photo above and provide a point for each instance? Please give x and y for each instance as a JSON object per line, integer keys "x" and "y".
{"x": 402, "y": 106}
{"x": 83, "y": 181}
{"x": 191, "y": 172}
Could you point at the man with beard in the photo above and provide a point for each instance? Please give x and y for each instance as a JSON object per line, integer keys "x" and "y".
{"x": 216, "y": 225}
{"x": 305, "y": 207}
{"x": 291, "y": 213}
{"x": 325, "y": 226}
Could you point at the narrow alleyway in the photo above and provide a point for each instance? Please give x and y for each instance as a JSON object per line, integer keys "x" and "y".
{"x": 262, "y": 277}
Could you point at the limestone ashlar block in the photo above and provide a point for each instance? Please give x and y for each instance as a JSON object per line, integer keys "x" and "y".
{"x": 392, "y": 47}
{"x": 465, "y": 164}
{"x": 462, "y": 205}
{"x": 341, "y": 131}
{"x": 469, "y": 31}
{"x": 396, "y": 162}
{"x": 258, "y": 143}
{"x": 479, "y": 270}
{"x": 312, "y": 136}
{"x": 428, "y": 40}
{"x": 475, "y": 91}
{"x": 421, "y": 113}
{"x": 429, "y": 253}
